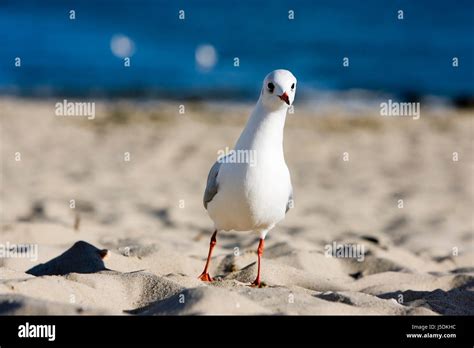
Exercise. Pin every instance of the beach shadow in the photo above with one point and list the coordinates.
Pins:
(82, 257)
(457, 301)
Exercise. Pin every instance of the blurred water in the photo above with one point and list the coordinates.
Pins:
(75, 57)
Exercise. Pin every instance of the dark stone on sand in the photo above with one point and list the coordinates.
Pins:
(82, 257)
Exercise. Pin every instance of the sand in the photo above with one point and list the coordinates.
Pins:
(137, 236)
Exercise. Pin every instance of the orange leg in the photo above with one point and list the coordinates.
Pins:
(259, 253)
(205, 274)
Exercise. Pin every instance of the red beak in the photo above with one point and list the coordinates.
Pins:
(285, 98)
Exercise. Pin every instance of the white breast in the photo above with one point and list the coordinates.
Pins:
(250, 198)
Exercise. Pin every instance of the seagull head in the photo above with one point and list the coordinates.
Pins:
(278, 89)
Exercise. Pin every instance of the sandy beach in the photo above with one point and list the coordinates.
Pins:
(109, 213)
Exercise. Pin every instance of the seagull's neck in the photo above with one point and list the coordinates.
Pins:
(264, 130)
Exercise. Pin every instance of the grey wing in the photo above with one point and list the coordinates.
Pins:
(212, 186)
(290, 202)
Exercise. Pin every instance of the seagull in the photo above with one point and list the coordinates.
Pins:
(244, 195)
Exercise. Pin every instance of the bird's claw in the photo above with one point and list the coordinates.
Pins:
(205, 277)
(257, 284)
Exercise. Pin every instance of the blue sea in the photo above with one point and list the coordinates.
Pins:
(194, 57)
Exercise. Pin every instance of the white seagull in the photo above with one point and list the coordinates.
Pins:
(254, 195)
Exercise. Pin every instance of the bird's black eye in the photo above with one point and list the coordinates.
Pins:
(293, 86)
(271, 87)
